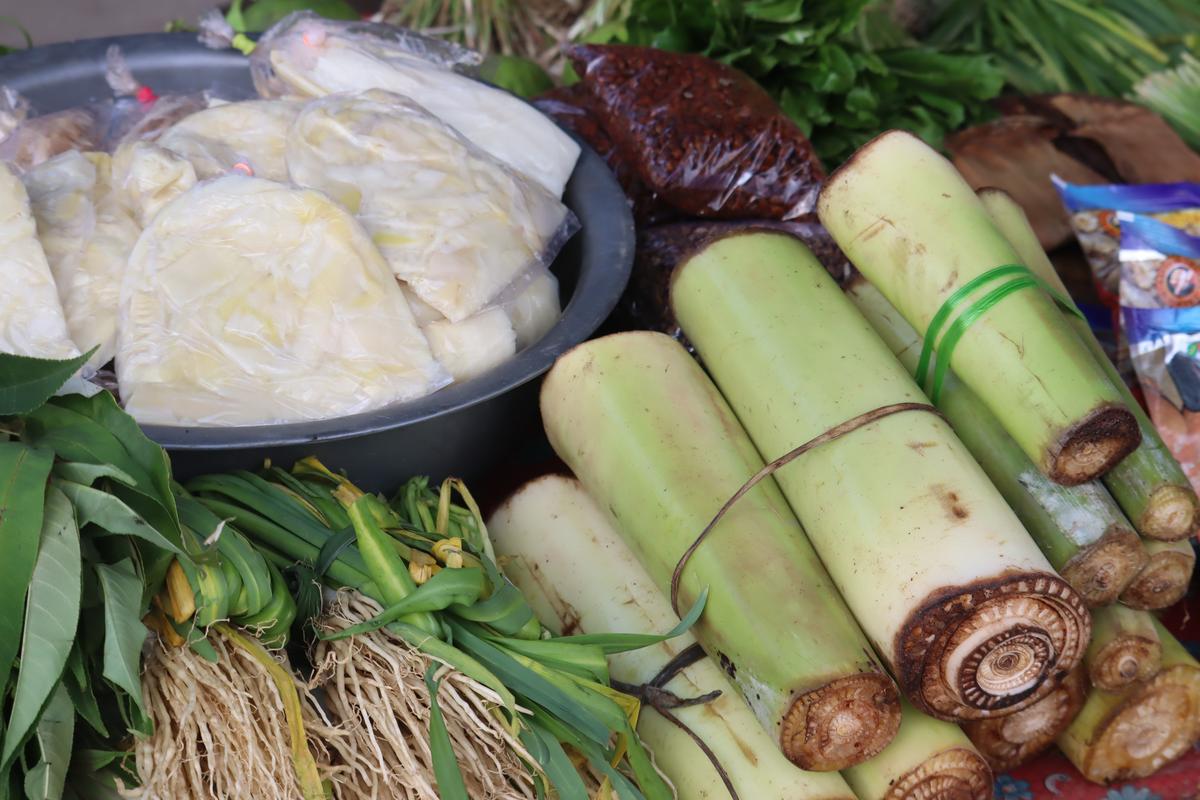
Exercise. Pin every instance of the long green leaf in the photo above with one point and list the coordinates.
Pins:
(541, 744)
(88, 474)
(26, 383)
(51, 617)
(446, 771)
(55, 731)
(585, 660)
(124, 632)
(454, 657)
(78, 685)
(612, 643)
(111, 515)
(23, 474)
(444, 589)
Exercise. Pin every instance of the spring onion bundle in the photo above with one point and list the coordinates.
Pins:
(1079, 528)
(651, 439)
(1007, 742)
(939, 571)
(913, 226)
(1149, 484)
(565, 555)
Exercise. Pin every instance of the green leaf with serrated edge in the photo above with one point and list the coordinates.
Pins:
(26, 383)
(23, 474)
(446, 772)
(108, 513)
(124, 632)
(51, 617)
(54, 734)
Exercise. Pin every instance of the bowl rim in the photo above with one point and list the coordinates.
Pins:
(596, 292)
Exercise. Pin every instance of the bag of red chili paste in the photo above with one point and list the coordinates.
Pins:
(701, 135)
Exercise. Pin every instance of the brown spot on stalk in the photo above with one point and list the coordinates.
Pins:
(1093, 446)
(921, 447)
(842, 723)
(728, 666)
(948, 499)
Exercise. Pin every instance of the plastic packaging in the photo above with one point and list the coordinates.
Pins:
(31, 315)
(701, 135)
(87, 235)
(38, 139)
(248, 301)
(456, 225)
(145, 177)
(248, 136)
(473, 346)
(304, 55)
(1093, 215)
(1163, 328)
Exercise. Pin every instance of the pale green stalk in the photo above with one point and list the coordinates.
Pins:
(912, 225)
(652, 440)
(1079, 528)
(936, 567)
(927, 759)
(563, 552)
(1149, 484)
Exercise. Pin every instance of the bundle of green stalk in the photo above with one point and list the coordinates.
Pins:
(567, 556)
(428, 564)
(909, 222)
(956, 597)
(652, 439)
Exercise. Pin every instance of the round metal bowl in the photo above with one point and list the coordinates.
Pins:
(463, 429)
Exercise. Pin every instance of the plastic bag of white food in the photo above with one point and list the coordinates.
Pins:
(247, 301)
(306, 56)
(456, 225)
(248, 136)
(146, 177)
(87, 234)
(31, 315)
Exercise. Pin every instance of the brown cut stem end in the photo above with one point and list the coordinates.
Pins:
(1093, 446)
(956, 774)
(1007, 742)
(1101, 571)
(1124, 661)
(842, 723)
(1162, 583)
(1170, 513)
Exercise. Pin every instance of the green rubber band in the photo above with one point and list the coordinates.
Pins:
(943, 313)
(1024, 278)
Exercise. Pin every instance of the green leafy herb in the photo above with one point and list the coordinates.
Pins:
(26, 383)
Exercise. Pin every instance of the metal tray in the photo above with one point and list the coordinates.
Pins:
(463, 430)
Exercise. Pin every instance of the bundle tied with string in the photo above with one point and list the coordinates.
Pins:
(941, 574)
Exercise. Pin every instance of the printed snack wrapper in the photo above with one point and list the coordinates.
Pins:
(457, 226)
(1160, 309)
(306, 56)
(249, 302)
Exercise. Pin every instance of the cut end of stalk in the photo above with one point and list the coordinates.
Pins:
(1163, 581)
(1007, 742)
(1093, 446)
(992, 648)
(1171, 514)
(1155, 726)
(1102, 571)
(842, 723)
(1124, 661)
(957, 774)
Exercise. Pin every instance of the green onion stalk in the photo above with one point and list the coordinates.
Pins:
(909, 222)
(939, 571)
(1079, 528)
(429, 563)
(1148, 484)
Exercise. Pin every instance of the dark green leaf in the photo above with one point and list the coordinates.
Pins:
(611, 643)
(107, 512)
(26, 383)
(444, 589)
(520, 76)
(88, 474)
(55, 730)
(124, 632)
(51, 616)
(548, 753)
(262, 14)
(23, 474)
(75, 679)
(450, 785)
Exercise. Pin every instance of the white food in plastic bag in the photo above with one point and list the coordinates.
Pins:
(146, 177)
(31, 315)
(248, 301)
(248, 136)
(87, 235)
(455, 225)
(535, 308)
(422, 312)
(473, 346)
(308, 56)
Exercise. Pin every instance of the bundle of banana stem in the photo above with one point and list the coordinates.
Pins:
(505, 711)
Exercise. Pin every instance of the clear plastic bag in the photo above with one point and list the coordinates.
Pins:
(702, 135)
(307, 56)
(251, 302)
(249, 136)
(457, 226)
(1162, 324)
(38, 139)
(145, 177)
(31, 316)
(87, 235)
